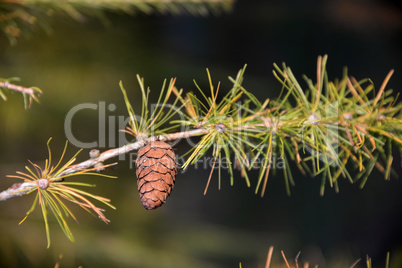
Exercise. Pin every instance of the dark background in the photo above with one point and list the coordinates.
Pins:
(83, 63)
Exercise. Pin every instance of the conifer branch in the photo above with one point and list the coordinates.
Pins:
(19, 17)
(19, 189)
(30, 94)
(321, 129)
(360, 127)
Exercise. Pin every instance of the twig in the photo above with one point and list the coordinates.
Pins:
(19, 189)
(32, 92)
(17, 88)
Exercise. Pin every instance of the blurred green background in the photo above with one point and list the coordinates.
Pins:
(83, 63)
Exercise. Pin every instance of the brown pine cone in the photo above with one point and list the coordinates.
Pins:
(156, 173)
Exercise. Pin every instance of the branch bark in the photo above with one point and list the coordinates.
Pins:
(19, 189)
(25, 90)
(30, 93)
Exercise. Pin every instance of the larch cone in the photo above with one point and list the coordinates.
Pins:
(156, 173)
